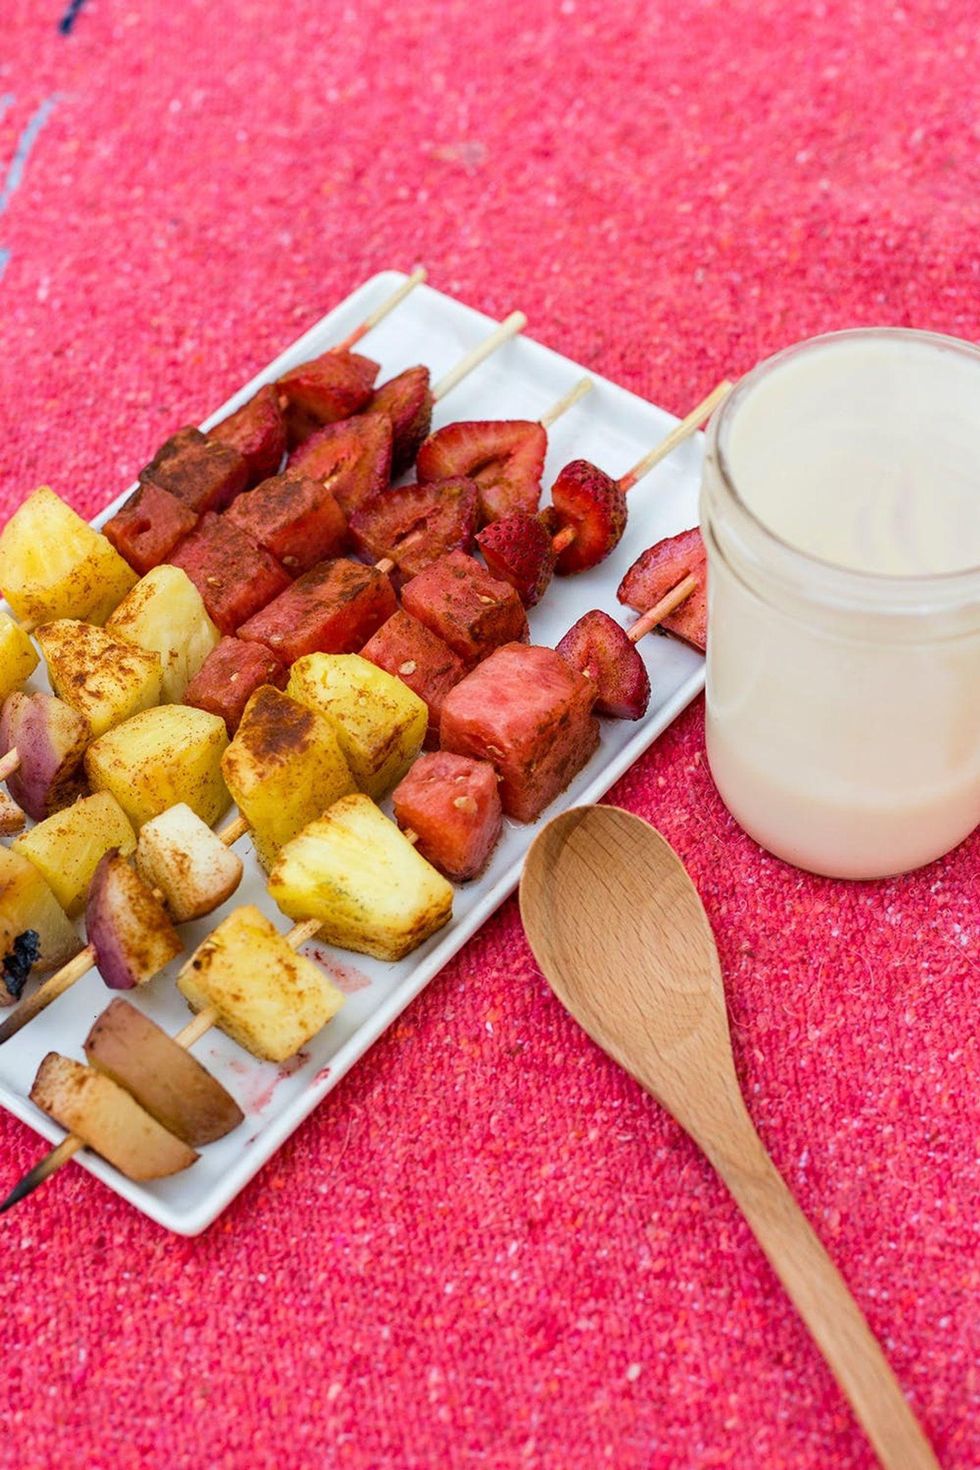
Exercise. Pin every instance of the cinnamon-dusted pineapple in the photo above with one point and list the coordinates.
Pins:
(284, 767)
(360, 876)
(67, 847)
(18, 656)
(27, 906)
(159, 757)
(53, 565)
(268, 998)
(164, 614)
(379, 722)
(101, 676)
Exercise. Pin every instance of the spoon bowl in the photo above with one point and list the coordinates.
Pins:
(620, 934)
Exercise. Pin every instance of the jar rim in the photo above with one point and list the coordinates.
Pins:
(905, 589)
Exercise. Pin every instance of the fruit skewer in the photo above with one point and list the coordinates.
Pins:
(521, 549)
(467, 506)
(62, 980)
(185, 1038)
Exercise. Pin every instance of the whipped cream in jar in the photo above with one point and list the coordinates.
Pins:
(840, 507)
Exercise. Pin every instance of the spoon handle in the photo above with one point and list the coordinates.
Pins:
(817, 1289)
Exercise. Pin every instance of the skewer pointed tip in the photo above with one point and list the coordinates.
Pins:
(41, 1171)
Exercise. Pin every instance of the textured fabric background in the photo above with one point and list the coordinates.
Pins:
(487, 1248)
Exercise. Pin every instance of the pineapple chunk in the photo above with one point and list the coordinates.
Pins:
(102, 677)
(26, 902)
(159, 757)
(18, 656)
(187, 862)
(104, 1116)
(284, 767)
(68, 847)
(268, 998)
(379, 722)
(164, 615)
(354, 871)
(53, 565)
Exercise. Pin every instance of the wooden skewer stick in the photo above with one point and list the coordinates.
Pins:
(677, 435)
(663, 609)
(9, 763)
(380, 312)
(667, 445)
(72, 972)
(192, 1032)
(509, 327)
(567, 401)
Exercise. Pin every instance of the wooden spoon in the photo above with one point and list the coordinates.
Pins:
(619, 931)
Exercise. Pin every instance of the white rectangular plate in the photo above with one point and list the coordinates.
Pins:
(611, 427)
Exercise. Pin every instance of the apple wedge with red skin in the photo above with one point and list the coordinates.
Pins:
(51, 740)
(258, 431)
(518, 550)
(661, 568)
(407, 402)
(129, 930)
(504, 457)
(413, 525)
(333, 386)
(351, 458)
(600, 649)
(590, 501)
(166, 1081)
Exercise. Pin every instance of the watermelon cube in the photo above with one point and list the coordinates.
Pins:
(201, 472)
(294, 518)
(258, 431)
(407, 648)
(148, 527)
(473, 612)
(529, 713)
(452, 805)
(230, 675)
(329, 387)
(233, 574)
(333, 608)
(352, 458)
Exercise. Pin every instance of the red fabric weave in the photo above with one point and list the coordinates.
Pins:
(487, 1248)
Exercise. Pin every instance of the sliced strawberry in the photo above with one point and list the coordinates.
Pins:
(258, 431)
(413, 525)
(330, 387)
(352, 458)
(658, 570)
(407, 402)
(518, 550)
(294, 518)
(586, 499)
(147, 528)
(505, 458)
(200, 472)
(599, 648)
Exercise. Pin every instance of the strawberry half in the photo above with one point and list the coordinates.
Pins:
(599, 648)
(258, 431)
(407, 402)
(330, 387)
(518, 550)
(659, 569)
(587, 499)
(505, 458)
(352, 458)
(416, 524)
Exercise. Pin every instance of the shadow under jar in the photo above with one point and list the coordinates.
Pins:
(840, 507)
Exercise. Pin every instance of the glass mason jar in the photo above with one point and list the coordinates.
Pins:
(843, 671)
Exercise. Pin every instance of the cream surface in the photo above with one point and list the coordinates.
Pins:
(866, 453)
